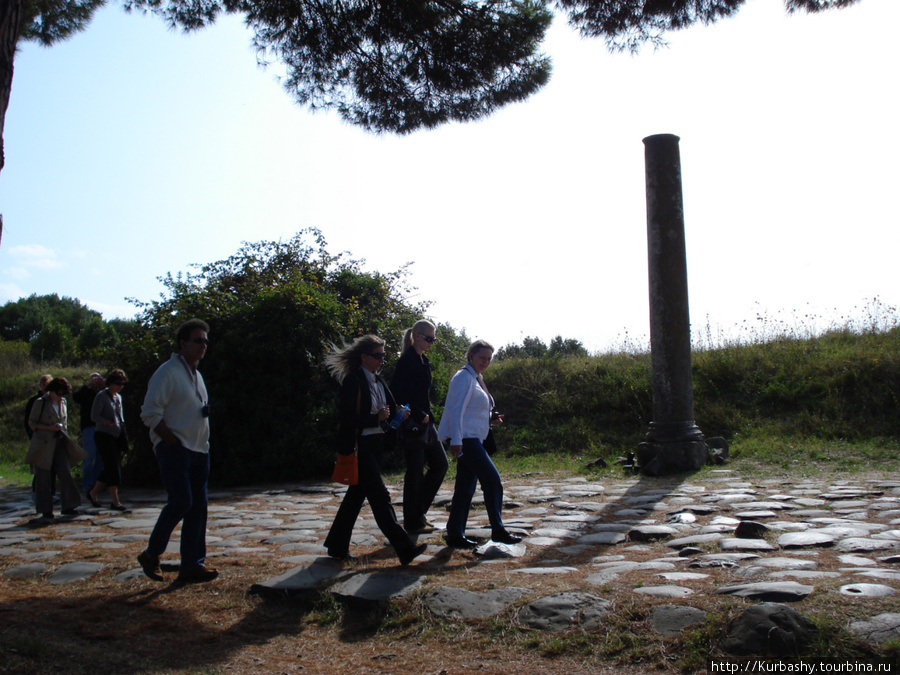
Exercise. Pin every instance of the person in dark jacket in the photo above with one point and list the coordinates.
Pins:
(411, 385)
(92, 464)
(364, 404)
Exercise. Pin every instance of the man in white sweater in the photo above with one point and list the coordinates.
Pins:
(176, 409)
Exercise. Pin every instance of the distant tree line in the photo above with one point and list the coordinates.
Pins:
(61, 329)
(535, 348)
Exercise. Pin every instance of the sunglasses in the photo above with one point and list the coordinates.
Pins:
(377, 355)
(430, 340)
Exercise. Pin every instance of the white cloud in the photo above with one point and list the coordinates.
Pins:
(18, 273)
(37, 256)
(9, 293)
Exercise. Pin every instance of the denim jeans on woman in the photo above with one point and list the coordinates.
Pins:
(185, 475)
(473, 466)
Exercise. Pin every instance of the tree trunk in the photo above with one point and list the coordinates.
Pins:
(10, 26)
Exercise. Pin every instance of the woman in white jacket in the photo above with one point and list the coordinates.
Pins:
(466, 423)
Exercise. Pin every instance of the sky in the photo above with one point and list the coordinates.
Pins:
(133, 151)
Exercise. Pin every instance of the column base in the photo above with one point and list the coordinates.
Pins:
(658, 459)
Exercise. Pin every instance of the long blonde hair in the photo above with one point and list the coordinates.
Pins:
(409, 335)
(341, 361)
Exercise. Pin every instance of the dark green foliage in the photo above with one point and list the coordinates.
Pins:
(626, 25)
(60, 329)
(49, 21)
(571, 405)
(274, 308)
(534, 347)
(840, 385)
(391, 66)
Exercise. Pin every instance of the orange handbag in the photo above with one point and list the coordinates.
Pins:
(346, 469)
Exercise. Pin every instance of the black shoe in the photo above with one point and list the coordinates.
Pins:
(504, 537)
(150, 565)
(346, 555)
(460, 542)
(69, 512)
(196, 575)
(407, 555)
(47, 516)
(93, 501)
(118, 507)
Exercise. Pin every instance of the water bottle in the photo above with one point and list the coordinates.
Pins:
(398, 418)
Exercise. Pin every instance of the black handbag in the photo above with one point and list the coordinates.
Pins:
(414, 433)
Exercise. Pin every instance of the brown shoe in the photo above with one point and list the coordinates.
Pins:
(197, 575)
(150, 565)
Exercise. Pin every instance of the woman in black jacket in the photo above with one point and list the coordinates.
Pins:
(365, 402)
(411, 384)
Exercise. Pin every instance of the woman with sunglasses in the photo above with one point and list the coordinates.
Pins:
(110, 437)
(364, 405)
(411, 384)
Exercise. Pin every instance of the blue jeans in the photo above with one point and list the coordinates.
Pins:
(185, 475)
(474, 465)
(92, 465)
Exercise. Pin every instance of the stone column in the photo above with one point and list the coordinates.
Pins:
(673, 442)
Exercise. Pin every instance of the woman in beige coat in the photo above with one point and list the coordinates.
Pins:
(52, 452)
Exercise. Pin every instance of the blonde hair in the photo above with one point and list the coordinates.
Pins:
(476, 347)
(341, 361)
(409, 335)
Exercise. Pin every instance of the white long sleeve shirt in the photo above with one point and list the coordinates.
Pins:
(176, 395)
(467, 411)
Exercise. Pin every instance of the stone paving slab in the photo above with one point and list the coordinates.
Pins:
(770, 540)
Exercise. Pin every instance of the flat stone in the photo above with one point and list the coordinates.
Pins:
(773, 591)
(755, 515)
(785, 563)
(862, 545)
(868, 590)
(694, 540)
(804, 539)
(460, 603)
(670, 620)
(565, 610)
(602, 538)
(666, 591)
(646, 533)
(682, 576)
(27, 571)
(804, 574)
(878, 629)
(301, 578)
(768, 629)
(377, 586)
(545, 570)
(75, 571)
(495, 550)
(729, 544)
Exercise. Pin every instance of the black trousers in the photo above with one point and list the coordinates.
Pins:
(371, 486)
(420, 486)
(110, 450)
